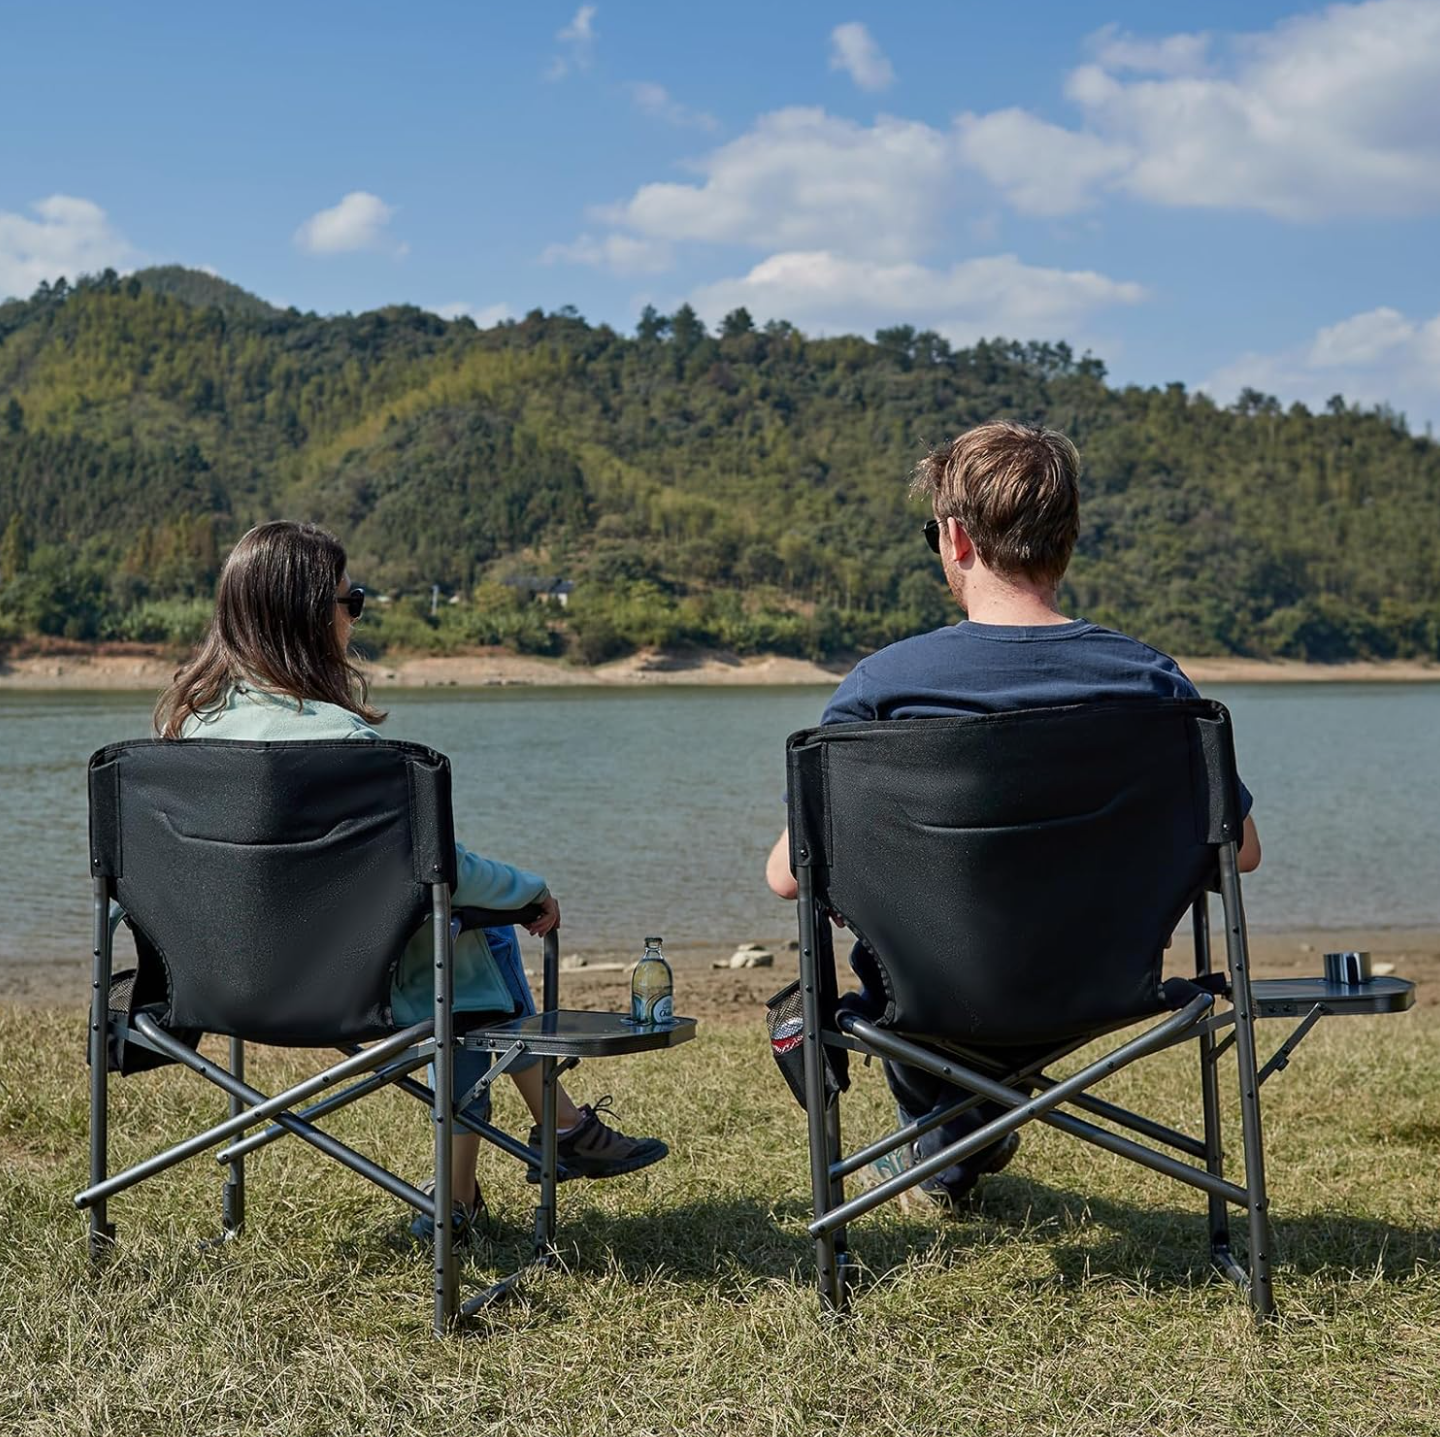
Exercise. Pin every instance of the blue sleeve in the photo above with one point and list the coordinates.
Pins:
(848, 703)
(488, 883)
(1184, 689)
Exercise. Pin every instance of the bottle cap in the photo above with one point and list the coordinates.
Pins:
(653, 942)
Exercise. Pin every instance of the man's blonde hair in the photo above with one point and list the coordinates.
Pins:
(1015, 489)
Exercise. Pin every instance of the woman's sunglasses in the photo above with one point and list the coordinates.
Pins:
(354, 601)
(932, 535)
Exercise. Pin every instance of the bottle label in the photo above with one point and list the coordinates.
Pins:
(646, 1010)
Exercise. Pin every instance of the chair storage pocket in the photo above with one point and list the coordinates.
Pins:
(785, 1019)
(125, 1000)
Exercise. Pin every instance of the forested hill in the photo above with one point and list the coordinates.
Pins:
(745, 488)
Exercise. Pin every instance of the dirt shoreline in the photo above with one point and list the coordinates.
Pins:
(738, 995)
(136, 668)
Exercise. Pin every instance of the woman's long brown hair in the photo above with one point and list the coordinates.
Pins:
(274, 628)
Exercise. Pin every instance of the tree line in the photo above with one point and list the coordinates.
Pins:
(744, 488)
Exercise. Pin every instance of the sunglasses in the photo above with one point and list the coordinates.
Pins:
(931, 528)
(354, 601)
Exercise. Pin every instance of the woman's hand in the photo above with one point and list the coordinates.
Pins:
(549, 917)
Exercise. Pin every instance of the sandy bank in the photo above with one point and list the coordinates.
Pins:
(140, 669)
(739, 995)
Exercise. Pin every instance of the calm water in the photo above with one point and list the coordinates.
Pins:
(653, 810)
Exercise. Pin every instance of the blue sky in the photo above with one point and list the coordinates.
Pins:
(1218, 193)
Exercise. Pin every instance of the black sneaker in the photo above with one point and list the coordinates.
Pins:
(465, 1218)
(593, 1150)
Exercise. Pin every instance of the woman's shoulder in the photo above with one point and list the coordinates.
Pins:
(258, 715)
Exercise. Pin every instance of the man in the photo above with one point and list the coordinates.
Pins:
(1005, 500)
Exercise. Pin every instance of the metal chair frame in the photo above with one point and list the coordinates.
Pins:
(1197, 1020)
(560, 1038)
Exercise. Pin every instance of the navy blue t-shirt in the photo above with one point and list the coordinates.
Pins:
(972, 668)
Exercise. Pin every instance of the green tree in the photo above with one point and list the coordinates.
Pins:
(737, 323)
(14, 550)
(686, 328)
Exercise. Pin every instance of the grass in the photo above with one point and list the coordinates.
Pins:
(1073, 1298)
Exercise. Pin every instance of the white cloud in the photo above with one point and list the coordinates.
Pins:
(853, 49)
(358, 222)
(620, 253)
(1336, 112)
(577, 40)
(70, 237)
(1115, 49)
(485, 316)
(1378, 357)
(1043, 169)
(823, 292)
(800, 178)
(656, 100)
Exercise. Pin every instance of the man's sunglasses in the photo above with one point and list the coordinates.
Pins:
(932, 534)
(354, 601)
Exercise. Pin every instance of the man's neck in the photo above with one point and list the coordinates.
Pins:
(1016, 605)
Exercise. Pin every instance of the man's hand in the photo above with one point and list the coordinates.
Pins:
(1247, 860)
(549, 917)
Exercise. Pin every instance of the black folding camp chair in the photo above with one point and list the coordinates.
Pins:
(1015, 878)
(271, 888)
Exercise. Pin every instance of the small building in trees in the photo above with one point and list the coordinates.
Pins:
(545, 591)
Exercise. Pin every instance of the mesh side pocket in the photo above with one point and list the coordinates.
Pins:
(129, 991)
(120, 1056)
(785, 1019)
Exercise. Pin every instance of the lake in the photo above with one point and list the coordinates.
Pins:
(651, 810)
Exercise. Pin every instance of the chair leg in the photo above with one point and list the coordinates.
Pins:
(833, 1294)
(443, 1111)
(550, 1070)
(820, 1121)
(549, 1161)
(232, 1202)
(102, 1231)
(1219, 1210)
(833, 1153)
(1262, 1295)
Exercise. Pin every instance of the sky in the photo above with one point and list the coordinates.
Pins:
(1218, 193)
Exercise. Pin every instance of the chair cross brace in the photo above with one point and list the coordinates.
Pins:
(261, 1108)
(381, 1077)
(920, 1126)
(1136, 1122)
(1023, 1110)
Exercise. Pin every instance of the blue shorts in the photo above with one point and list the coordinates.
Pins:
(471, 1066)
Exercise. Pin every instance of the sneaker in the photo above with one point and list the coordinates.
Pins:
(592, 1150)
(945, 1195)
(465, 1218)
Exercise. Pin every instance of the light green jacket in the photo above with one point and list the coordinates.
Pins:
(480, 882)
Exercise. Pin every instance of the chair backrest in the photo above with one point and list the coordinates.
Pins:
(277, 883)
(1016, 875)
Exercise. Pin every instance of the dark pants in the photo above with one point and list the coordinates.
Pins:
(918, 1093)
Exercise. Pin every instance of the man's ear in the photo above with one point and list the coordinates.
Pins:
(960, 544)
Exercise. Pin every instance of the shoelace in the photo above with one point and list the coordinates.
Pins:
(605, 1105)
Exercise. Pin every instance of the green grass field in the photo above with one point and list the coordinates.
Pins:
(1074, 1298)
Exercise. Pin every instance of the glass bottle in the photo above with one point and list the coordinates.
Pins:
(651, 987)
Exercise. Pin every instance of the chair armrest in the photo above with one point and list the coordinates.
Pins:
(496, 917)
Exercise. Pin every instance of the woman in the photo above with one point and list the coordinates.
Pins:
(276, 664)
